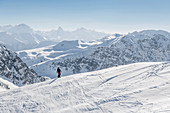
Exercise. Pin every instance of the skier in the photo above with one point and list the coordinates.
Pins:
(59, 72)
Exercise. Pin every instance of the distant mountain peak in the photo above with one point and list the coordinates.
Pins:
(21, 28)
(151, 32)
(60, 29)
(22, 25)
(82, 29)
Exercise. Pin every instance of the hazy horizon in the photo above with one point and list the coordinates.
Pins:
(110, 16)
(70, 30)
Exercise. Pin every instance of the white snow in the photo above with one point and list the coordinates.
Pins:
(134, 88)
(6, 82)
(50, 53)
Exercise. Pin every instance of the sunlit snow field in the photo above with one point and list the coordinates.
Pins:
(137, 88)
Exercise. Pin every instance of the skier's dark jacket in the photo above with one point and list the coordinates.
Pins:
(59, 72)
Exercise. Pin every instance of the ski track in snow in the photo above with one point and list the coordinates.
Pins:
(134, 88)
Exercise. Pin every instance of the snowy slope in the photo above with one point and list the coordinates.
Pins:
(133, 88)
(6, 84)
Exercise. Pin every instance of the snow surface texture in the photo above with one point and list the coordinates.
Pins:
(15, 70)
(79, 56)
(5, 84)
(133, 88)
(21, 37)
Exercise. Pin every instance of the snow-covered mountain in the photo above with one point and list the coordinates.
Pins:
(15, 70)
(79, 34)
(133, 88)
(152, 46)
(78, 56)
(22, 37)
(21, 28)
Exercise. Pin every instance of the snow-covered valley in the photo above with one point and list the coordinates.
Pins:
(134, 88)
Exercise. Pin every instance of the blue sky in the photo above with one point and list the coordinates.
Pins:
(121, 16)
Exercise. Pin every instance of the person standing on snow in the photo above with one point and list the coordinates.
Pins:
(59, 72)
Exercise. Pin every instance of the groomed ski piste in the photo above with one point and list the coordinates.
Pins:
(134, 88)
